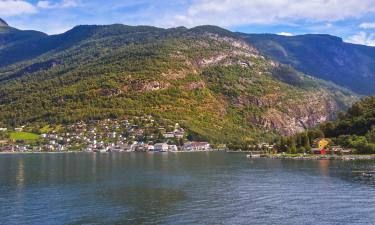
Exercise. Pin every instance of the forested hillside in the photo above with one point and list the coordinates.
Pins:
(208, 79)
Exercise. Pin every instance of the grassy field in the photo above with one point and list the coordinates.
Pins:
(24, 136)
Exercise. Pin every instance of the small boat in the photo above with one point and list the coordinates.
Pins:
(369, 175)
(253, 155)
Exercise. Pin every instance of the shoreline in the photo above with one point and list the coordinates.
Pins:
(264, 156)
(322, 157)
(10, 153)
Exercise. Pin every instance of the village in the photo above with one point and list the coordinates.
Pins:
(135, 134)
(131, 134)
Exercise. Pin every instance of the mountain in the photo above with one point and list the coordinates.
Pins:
(208, 79)
(3, 23)
(323, 56)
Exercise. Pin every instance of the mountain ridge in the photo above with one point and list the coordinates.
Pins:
(323, 56)
(206, 78)
(3, 23)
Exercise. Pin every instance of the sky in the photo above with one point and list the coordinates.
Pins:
(353, 20)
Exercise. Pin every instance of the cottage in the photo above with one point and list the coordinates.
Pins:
(150, 148)
(321, 143)
(172, 148)
(197, 146)
(318, 151)
(161, 147)
(169, 135)
(18, 129)
(179, 134)
(320, 146)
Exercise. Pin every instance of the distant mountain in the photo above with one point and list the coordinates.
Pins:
(3, 23)
(323, 56)
(208, 79)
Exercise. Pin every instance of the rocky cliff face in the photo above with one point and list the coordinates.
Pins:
(283, 102)
(295, 117)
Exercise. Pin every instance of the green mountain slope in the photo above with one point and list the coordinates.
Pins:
(206, 78)
(323, 56)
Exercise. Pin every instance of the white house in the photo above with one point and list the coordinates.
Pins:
(172, 148)
(197, 146)
(18, 129)
(169, 135)
(161, 147)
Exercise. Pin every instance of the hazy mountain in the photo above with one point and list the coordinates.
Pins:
(3, 23)
(323, 56)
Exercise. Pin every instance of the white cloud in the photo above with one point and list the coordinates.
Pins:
(285, 34)
(362, 38)
(60, 5)
(16, 7)
(244, 12)
(367, 25)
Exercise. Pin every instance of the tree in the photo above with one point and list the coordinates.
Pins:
(292, 145)
(305, 142)
(370, 136)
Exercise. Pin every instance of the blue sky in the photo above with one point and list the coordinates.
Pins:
(353, 20)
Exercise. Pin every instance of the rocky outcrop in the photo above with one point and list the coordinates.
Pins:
(194, 85)
(296, 116)
(136, 85)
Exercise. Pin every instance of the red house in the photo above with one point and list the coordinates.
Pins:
(319, 151)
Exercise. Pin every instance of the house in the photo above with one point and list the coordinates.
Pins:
(172, 148)
(197, 146)
(318, 151)
(161, 147)
(179, 134)
(2, 129)
(320, 146)
(169, 135)
(340, 150)
(150, 148)
(321, 143)
(18, 129)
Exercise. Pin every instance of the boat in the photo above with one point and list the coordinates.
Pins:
(369, 175)
(253, 155)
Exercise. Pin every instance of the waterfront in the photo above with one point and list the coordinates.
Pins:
(182, 188)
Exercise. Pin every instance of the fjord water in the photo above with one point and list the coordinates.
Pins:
(182, 188)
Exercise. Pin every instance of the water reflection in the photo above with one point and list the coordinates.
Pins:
(324, 167)
(20, 178)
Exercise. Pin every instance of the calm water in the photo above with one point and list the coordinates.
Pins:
(181, 188)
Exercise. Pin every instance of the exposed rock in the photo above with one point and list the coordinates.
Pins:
(195, 85)
(264, 101)
(296, 117)
(150, 86)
